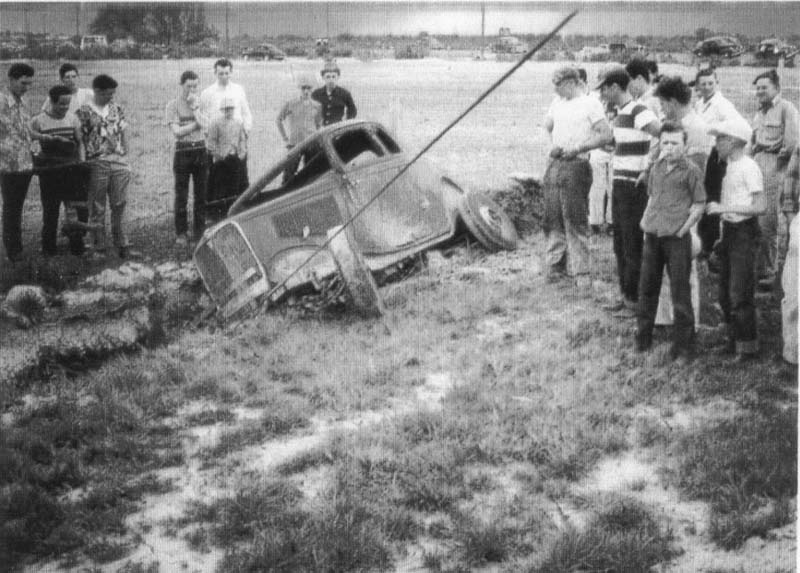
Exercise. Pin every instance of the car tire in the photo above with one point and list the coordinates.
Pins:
(356, 275)
(487, 222)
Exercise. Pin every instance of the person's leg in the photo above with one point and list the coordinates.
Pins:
(768, 222)
(99, 181)
(574, 205)
(552, 222)
(649, 288)
(709, 225)
(120, 178)
(634, 240)
(200, 183)
(789, 302)
(679, 266)
(742, 256)
(49, 189)
(619, 205)
(597, 194)
(181, 169)
(14, 188)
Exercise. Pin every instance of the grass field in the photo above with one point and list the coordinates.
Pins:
(492, 422)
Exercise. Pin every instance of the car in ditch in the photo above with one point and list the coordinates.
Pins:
(271, 243)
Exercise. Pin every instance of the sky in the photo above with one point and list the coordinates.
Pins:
(321, 18)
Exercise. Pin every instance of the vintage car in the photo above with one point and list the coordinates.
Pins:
(719, 46)
(263, 52)
(772, 49)
(269, 244)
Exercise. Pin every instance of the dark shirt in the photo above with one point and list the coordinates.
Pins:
(672, 189)
(333, 105)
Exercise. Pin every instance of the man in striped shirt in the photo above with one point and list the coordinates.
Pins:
(634, 127)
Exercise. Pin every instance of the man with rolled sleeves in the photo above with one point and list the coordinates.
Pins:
(775, 135)
(337, 103)
(577, 124)
(16, 160)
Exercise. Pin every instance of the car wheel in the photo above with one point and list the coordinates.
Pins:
(487, 222)
(355, 274)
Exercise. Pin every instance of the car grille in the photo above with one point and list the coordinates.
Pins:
(230, 270)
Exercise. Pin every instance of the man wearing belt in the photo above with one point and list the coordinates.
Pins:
(337, 103)
(190, 159)
(634, 128)
(577, 124)
(775, 133)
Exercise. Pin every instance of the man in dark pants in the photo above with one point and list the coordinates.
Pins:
(337, 103)
(190, 160)
(676, 202)
(634, 128)
(16, 161)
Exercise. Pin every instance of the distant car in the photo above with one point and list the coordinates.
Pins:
(284, 217)
(263, 52)
(775, 48)
(719, 46)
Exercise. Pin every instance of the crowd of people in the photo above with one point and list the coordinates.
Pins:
(670, 167)
(77, 146)
(681, 178)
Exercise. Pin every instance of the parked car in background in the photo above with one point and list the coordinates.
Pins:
(718, 46)
(772, 49)
(263, 52)
(282, 219)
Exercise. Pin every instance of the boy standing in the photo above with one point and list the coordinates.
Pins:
(227, 144)
(305, 117)
(742, 201)
(676, 202)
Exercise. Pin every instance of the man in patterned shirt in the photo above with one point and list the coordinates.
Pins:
(103, 126)
(16, 161)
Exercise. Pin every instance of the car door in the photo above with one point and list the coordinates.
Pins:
(407, 213)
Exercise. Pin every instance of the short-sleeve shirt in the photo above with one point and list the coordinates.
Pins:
(673, 189)
(336, 105)
(57, 152)
(101, 129)
(742, 180)
(573, 120)
(631, 141)
(712, 111)
(227, 137)
(304, 116)
(789, 201)
(775, 127)
(178, 112)
(15, 134)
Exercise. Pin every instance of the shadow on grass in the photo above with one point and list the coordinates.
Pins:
(746, 468)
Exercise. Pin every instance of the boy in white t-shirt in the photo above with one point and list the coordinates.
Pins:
(742, 200)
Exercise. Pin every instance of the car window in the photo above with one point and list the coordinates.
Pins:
(356, 148)
(388, 142)
(309, 167)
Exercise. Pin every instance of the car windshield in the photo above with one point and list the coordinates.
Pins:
(311, 164)
(356, 147)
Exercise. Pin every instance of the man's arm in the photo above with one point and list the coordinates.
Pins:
(653, 128)
(695, 213)
(279, 122)
(790, 131)
(601, 135)
(351, 106)
(247, 115)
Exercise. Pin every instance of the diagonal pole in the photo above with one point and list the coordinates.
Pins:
(424, 150)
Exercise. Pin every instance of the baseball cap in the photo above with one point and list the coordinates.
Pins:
(736, 127)
(616, 75)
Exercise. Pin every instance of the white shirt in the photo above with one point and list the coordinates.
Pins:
(573, 120)
(82, 96)
(713, 111)
(212, 96)
(742, 179)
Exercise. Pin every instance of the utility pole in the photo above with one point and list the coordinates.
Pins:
(78, 19)
(483, 26)
(227, 28)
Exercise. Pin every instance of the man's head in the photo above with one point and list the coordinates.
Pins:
(674, 96)
(189, 82)
(567, 82)
(652, 67)
(614, 85)
(706, 83)
(69, 76)
(306, 83)
(639, 72)
(672, 140)
(60, 97)
(732, 135)
(223, 68)
(330, 73)
(104, 87)
(768, 85)
(20, 78)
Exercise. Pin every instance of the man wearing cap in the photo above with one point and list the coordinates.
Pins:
(577, 124)
(713, 108)
(227, 146)
(742, 202)
(305, 117)
(775, 135)
(336, 102)
(634, 128)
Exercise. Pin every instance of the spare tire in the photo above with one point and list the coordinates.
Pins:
(356, 275)
(487, 222)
